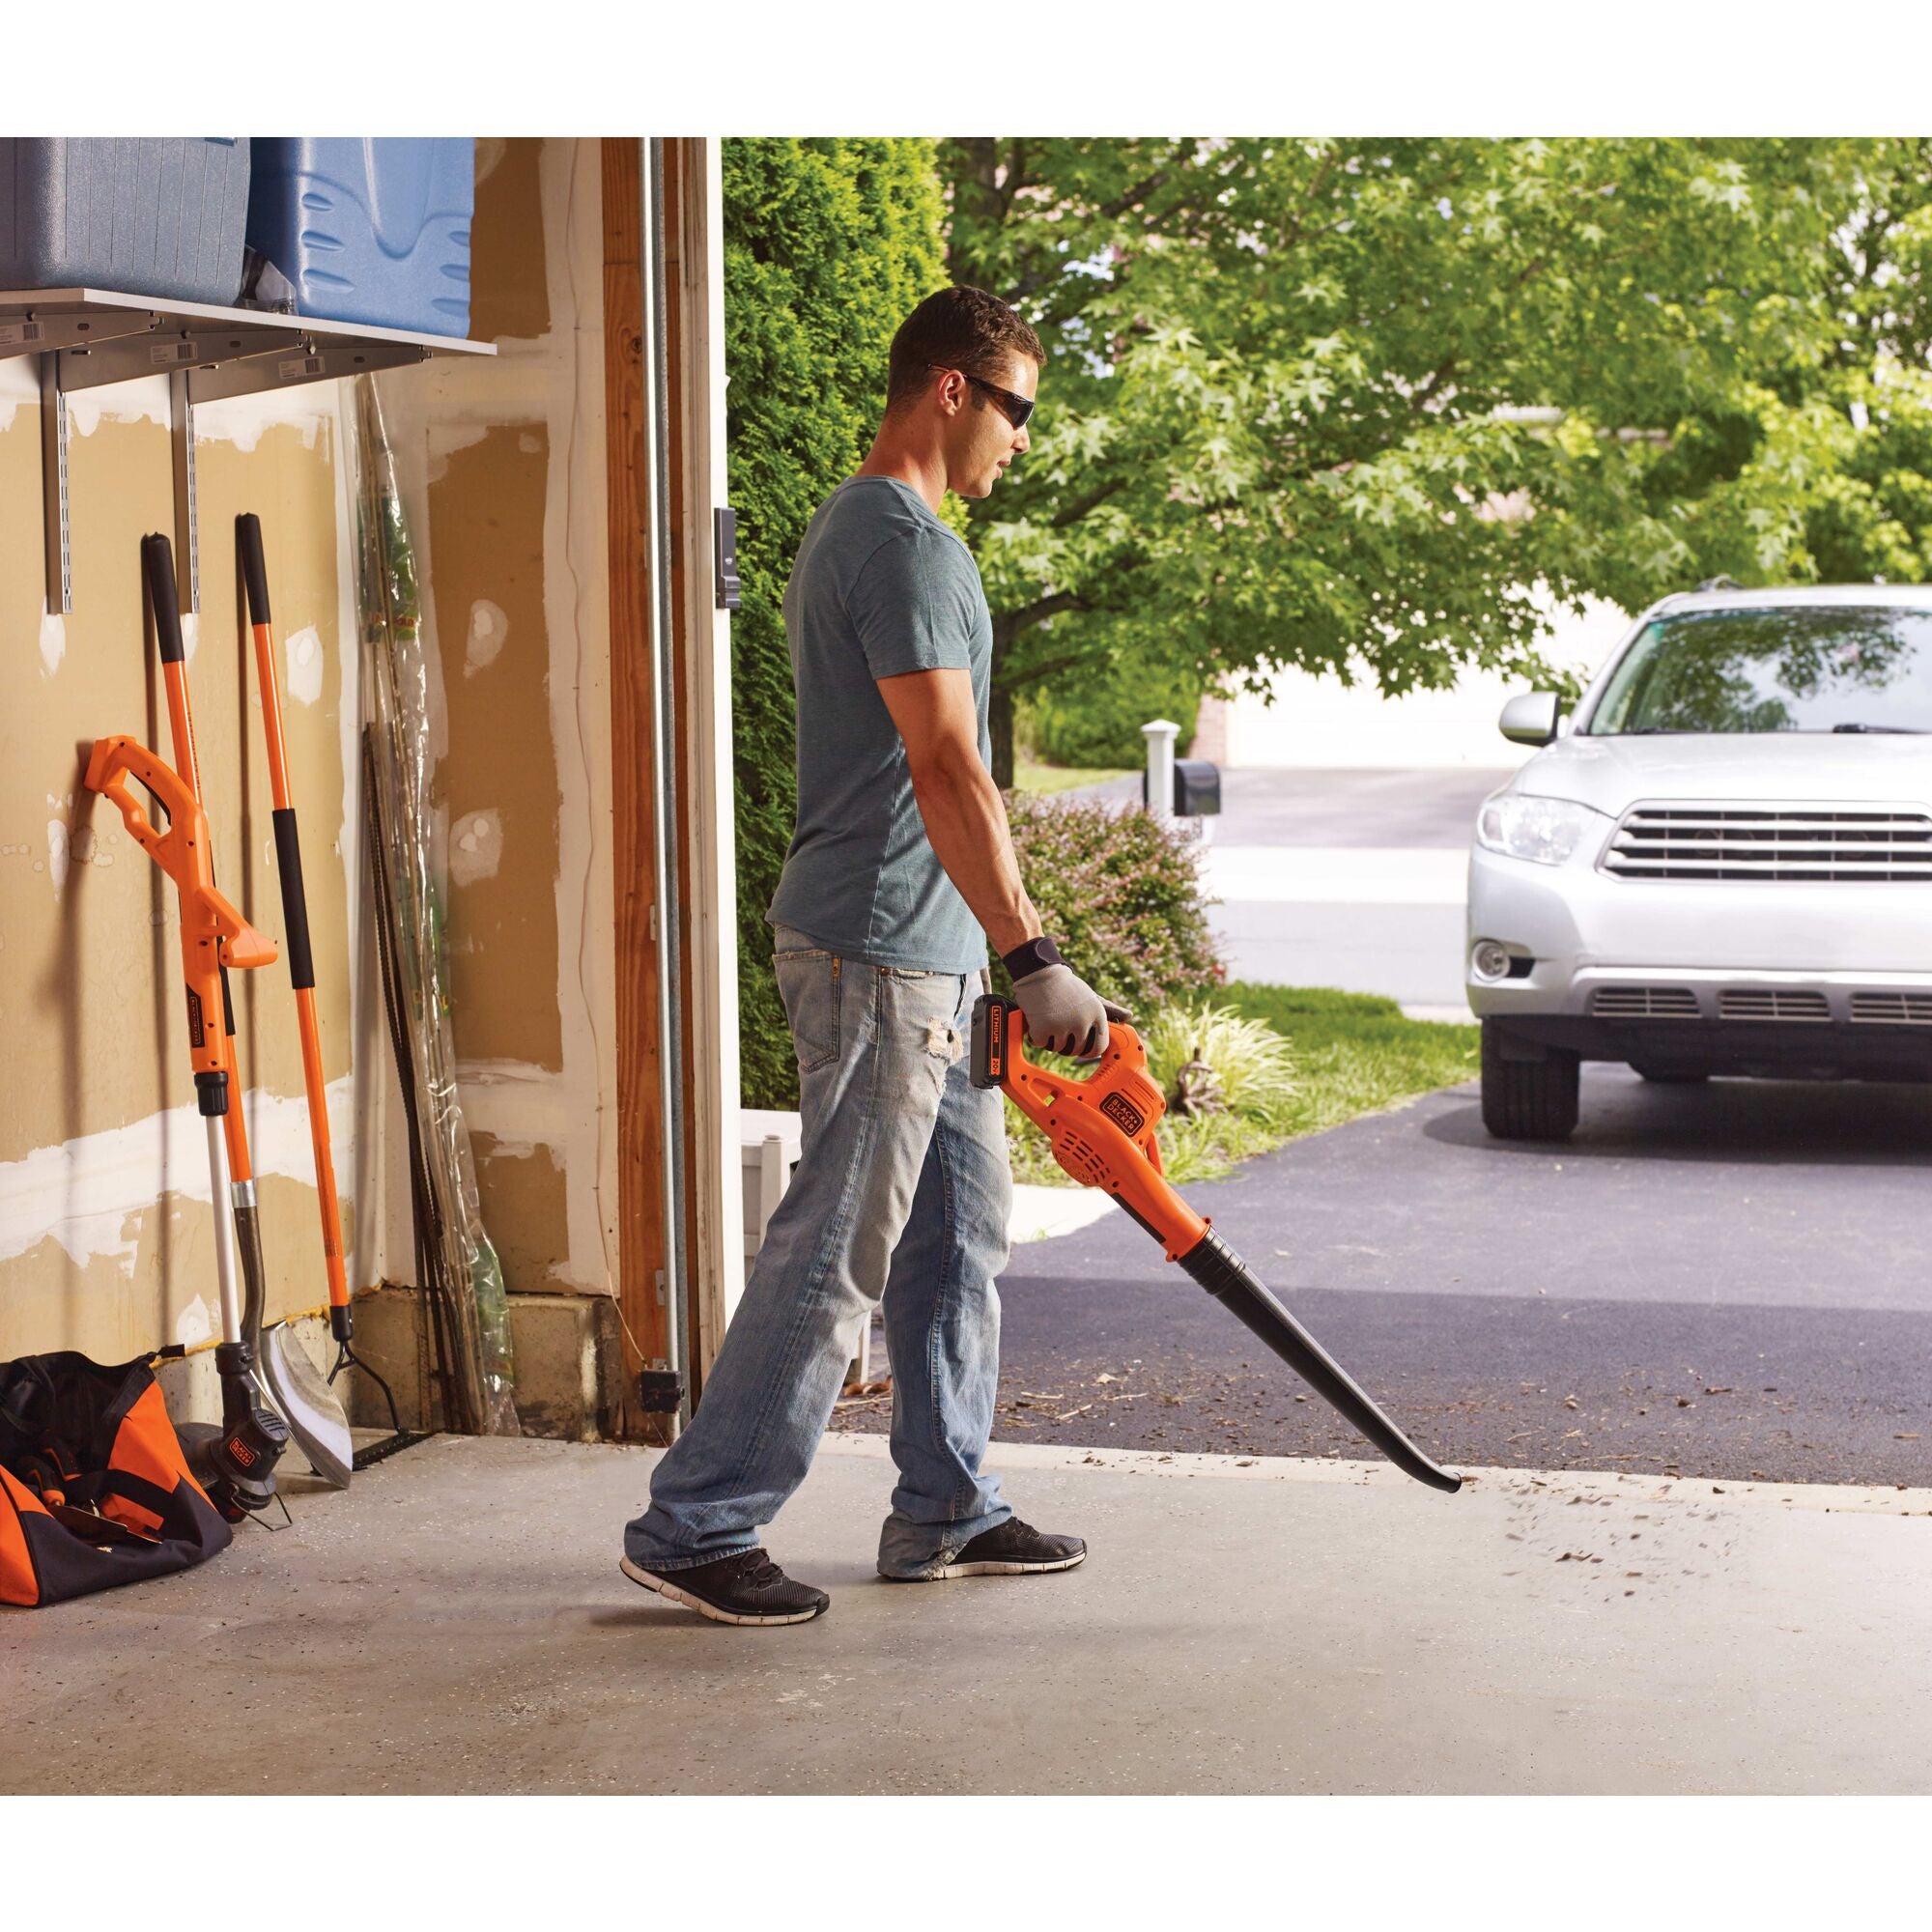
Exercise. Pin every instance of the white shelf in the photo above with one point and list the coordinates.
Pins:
(88, 337)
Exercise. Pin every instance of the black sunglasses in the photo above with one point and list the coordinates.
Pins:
(1017, 409)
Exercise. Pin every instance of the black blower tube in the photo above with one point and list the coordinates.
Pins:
(1223, 1273)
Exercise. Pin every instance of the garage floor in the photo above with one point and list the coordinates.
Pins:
(456, 1622)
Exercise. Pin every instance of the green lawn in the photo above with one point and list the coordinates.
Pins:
(1059, 778)
(1355, 1053)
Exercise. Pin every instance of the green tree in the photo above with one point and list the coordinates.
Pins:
(1346, 404)
(1870, 515)
(828, 245)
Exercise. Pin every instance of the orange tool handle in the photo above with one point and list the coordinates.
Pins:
(158, 574)
(295, 903)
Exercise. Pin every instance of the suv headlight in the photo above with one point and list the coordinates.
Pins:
(1544, 830)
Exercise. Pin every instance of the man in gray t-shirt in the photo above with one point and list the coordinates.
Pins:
(881, 589)
(900, 872)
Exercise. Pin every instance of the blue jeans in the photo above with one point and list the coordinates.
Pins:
(902, 1188)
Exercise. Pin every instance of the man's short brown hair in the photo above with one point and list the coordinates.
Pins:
(958, 328)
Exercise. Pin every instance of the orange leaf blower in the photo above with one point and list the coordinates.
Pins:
(1101, 1129)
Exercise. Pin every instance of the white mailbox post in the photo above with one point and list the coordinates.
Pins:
(1160, 736)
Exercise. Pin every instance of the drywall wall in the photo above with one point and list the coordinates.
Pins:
(501, 465)
(105, 1223)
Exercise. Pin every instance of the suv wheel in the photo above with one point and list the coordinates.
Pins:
(1528, 1099)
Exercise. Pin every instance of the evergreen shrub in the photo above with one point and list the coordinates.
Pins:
(829, 245)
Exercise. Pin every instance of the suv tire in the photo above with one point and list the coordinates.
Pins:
(1528, 1099)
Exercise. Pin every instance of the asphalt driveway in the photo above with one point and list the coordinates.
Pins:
(1726, 1281)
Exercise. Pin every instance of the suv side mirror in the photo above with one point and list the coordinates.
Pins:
(1530, 717)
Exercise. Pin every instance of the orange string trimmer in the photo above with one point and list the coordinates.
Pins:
(158, 566)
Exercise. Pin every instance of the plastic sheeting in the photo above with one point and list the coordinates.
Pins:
(461, 1275)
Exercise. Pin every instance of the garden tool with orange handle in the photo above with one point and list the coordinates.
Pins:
(235, 1463)
(295, 916)
(290, 1379)
(1102, 1130)
(302, 972)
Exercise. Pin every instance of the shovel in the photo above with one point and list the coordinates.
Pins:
(308, 1405)
(300, 1392)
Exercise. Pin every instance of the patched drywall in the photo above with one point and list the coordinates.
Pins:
(497, 781)
(509, 269)
(521, 1188)
(501, 465)
(105, 1230)
(106, 1225)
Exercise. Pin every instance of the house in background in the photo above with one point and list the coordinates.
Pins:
(1309, 720)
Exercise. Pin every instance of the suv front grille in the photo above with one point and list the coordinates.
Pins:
(1643, 1003)
(1892, 1008)
(1773, 842)
(1772, 1003)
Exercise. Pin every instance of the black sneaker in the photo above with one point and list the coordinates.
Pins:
(744, 1588)
(1014, 1548)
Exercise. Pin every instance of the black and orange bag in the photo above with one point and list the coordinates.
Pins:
(93, 1488)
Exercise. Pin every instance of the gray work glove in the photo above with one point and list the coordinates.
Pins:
(1064, 1013)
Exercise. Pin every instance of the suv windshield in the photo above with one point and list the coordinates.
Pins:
(1810, 667)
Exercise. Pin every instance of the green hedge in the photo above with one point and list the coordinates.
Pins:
(1120, 894)
(828, 245)
(1099, 726)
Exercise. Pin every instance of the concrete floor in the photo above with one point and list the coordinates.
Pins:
(456, 1622)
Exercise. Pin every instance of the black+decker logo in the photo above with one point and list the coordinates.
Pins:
(1123, 1114)
(197, 1034)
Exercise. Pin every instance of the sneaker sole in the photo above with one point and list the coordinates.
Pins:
(664, 1588)
(950, 1570)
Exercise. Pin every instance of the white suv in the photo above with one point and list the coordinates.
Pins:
(1723, 865)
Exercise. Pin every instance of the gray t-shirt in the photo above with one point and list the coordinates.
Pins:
(880, 588)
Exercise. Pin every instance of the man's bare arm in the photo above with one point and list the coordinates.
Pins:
(964, 815)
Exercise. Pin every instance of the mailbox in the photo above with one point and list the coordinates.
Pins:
(1197, 788)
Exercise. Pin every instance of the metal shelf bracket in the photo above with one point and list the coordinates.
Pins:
(86, 338)
(54, 337)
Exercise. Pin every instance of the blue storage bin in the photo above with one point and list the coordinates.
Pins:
(156, 219)
(371, 231)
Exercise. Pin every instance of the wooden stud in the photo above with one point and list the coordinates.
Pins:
(640, 1194)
